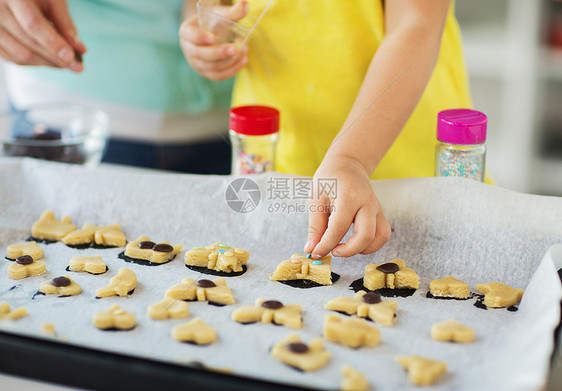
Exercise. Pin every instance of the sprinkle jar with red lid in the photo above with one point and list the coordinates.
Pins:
(253, 133)
(461, 148)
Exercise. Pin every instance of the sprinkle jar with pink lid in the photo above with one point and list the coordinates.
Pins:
(461, 144)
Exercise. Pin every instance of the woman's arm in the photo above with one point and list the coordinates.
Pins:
(392, 87)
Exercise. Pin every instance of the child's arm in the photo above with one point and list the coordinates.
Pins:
(215, 62)
(392, 87)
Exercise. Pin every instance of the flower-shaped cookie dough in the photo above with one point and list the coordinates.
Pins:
(26, 266)
(216, 291)
(422, 371)
(366, 305)
(353, 380)
(392, 275)
(195, 331)
(28, 248)
(293, 352)
(168, 308)
(449, 287)
(498, 295)
(114, 317)
(110, 236)
(270, 311)
(7, 313)
(219, 257)
(452, 331)
(92, 264)
(120, 285)
(300, 267)
(62, 286)
(143, 248)
(351, 332)
(48, 228)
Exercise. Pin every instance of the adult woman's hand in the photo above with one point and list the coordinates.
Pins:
(39, 32)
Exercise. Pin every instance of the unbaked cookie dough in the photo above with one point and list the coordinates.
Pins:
(391, 275)
(120, 285)
(48, 329)
(146, 250)
(114, 317)
(350, 332)
(28, 248)
(219, 257)
(7, 313)
(449, 287)
(48, 228)
(168, 308)
(270, 311)
(216, 291)
(422, 371)
(300, 267)
(353, 380)
(26, 266)
(62, 286)
(293, 352)
(106, 236)
(92, 264)
(195, 331)
(498, 295)
(452, 331)
(366, 305)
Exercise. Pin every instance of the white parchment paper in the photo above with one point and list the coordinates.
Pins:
(442, 226)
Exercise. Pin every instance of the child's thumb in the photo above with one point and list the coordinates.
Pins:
(238, 11)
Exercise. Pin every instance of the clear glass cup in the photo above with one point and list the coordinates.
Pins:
(67, 133)
(213, 18)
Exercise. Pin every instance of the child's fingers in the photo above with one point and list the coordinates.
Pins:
(190, 32)
(238, 11)
(381, 236)
(338, 224)
(365, 227)
(229, 72)
(318, 215)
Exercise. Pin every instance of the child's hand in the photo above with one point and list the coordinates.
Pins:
(355, 202)
(211, 60)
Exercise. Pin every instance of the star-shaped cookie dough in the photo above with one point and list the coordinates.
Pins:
(62, 286)
(270, 311)
(143, 248)
(293, 352)
(392, 275)
(218, 256)
(422, 371)
(195, 331)
(366, 305)
(452, 331)
(28, 248)
(449, 287)
(498, 295)
(92, 264)
(114, 317)
(168, 308)
(26, 266)
(120, 285)
(48, 228)
(351, 332)
(215, 291)
(300, 267)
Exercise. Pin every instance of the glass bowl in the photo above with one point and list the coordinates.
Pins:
(67, 133)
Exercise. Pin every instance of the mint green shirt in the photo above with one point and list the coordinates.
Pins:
(134, 58)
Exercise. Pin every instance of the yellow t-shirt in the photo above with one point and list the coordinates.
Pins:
(308, 58)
